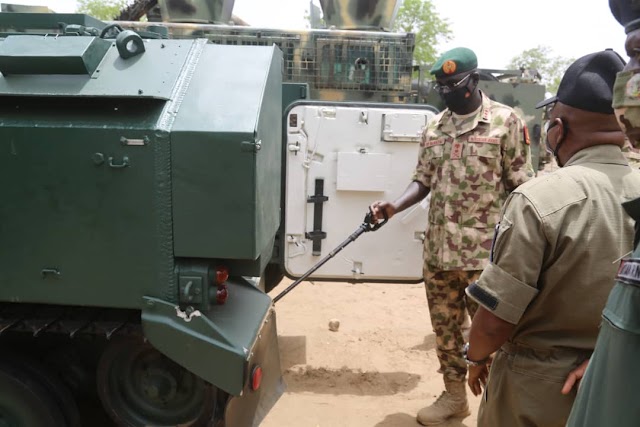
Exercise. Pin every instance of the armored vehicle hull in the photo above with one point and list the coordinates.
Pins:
(121, 158)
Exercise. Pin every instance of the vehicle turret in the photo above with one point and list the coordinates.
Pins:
(360, 14)
(200, 11)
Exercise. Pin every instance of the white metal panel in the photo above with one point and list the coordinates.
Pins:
(362, 171)
(345, 146)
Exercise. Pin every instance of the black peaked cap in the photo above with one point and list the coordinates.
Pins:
(627, 13)
(588, 82)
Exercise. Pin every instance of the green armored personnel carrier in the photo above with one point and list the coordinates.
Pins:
(157, 181)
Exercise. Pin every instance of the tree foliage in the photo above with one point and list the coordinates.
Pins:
(102, 9)
(421, 18)
(541, 58)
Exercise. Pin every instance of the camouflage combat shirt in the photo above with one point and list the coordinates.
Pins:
(470, 167)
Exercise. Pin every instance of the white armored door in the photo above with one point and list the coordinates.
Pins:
(340, 158)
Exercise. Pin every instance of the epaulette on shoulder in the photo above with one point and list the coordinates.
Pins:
(499, 109)
(497, 105)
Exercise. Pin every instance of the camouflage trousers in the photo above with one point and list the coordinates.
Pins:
(447, 303)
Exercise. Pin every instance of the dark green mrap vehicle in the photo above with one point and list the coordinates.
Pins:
(134, 203)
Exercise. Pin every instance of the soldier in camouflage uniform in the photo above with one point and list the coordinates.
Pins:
(472, 155)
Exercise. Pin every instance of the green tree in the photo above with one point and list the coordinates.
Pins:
(550, 66)
(421, 18)
(102, 9)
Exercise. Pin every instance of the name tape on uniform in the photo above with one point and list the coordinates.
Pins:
(484, 139)
(434, 142)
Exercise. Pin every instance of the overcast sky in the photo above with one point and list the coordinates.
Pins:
(497, 30)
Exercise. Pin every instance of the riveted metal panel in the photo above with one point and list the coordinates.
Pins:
(226, 155)
(136, 77)
(83, 196)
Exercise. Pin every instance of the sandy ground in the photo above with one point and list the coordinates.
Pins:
(378, 369)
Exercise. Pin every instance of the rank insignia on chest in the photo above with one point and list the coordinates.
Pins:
(456, 151)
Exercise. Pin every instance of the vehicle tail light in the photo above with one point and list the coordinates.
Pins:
(222, 294)
(222, 274)
(256, 377)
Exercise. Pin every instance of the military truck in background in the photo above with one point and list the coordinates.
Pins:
(159, 177)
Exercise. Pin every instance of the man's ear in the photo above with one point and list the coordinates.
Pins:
(475, 76)
(562, 129)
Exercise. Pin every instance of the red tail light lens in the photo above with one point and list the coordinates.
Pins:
(222, 275)
(222, 294)
(256, 378)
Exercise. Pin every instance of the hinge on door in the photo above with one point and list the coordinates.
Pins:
(251, 146)
(317, 234)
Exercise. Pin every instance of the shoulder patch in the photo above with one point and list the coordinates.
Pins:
(482, 296)
(629, 271)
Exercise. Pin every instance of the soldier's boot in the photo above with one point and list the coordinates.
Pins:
(451, 403)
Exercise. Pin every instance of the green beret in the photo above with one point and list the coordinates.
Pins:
(455, 61)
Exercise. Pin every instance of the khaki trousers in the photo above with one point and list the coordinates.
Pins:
(524, 387)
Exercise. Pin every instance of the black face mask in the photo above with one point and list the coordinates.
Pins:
(457, 99)
(548, 144)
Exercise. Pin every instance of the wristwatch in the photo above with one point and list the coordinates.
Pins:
(465, 350)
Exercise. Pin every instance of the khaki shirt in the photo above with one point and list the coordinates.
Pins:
(470, 168)
(557, 249)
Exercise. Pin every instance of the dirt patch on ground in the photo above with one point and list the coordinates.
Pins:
(348, 381)
(377, 370)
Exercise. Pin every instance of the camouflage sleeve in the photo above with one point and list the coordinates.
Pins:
(508, 284)
(516, 161)
(422, 172)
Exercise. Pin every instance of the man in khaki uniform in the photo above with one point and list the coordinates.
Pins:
(471, 156)
(554, 256)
